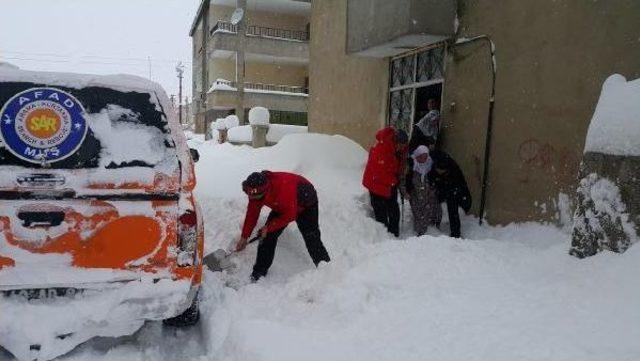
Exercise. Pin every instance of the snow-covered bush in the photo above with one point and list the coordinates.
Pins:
(259, 116)
(608, 201)
(601, 220)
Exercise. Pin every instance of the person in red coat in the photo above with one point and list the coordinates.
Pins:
(382, 176)
(291, 198)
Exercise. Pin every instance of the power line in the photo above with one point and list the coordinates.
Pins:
(67, 56)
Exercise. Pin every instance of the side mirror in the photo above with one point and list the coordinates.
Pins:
(195, 155)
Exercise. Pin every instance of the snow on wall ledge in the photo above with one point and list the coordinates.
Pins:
(615, 126)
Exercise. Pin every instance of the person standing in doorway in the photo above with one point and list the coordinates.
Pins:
(382, 176)
(427, 130)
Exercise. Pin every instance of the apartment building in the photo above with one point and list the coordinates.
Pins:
(257, 57)
(517, 81)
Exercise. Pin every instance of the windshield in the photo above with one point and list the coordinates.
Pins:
(111, 129)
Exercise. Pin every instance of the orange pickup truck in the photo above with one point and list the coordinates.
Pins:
(99, 228)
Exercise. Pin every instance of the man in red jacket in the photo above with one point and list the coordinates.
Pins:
(291, 198)
(382, 176)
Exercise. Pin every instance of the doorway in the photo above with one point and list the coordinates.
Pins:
(423, 94)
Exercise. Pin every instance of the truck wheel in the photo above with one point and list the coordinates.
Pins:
(188, 318)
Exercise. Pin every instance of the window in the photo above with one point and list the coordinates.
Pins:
(408, 76)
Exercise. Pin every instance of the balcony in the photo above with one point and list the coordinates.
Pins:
(383, 28)
(223, 95)
(289, 46)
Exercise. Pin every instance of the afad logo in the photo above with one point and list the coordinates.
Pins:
(43, 125)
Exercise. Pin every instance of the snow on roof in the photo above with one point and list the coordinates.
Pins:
(615, 126)
(121, 82)
(5, 65)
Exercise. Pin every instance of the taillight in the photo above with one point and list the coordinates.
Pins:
(187, 239)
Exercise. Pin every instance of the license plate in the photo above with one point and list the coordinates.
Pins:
(43, 293)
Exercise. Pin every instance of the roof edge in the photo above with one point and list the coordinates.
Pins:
(197, 17)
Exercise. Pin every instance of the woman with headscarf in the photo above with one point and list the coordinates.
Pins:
(422, 194)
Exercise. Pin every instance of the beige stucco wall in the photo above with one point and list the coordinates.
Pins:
(256, 72)
(552, 57)
(348, 94)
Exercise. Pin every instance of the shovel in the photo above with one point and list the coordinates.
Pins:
(220, 259)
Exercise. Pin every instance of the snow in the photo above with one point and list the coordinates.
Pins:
(116, 137)
(121, 82)
(243, 133)
(615, 125)
(220, 125)
(225, 85)
(502, 293)
(231, 121)
(6, 65)
(259, 116)
(221, 84)
(278, 131)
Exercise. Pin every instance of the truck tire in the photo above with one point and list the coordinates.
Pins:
(189, 317)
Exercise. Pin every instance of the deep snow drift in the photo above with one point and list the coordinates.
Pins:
(504, 293)
(507, 293)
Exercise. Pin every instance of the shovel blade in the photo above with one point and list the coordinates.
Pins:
(218, 260)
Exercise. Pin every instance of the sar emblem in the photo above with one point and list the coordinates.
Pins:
(43, 125)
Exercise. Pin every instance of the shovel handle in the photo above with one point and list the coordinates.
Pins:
(254, 239)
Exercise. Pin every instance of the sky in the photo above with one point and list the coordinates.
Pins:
(142, 37)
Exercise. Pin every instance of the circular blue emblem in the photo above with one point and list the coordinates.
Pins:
(43, 125)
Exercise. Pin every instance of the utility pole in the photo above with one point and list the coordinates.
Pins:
(149, 61)
(240, 65)
(180, 71)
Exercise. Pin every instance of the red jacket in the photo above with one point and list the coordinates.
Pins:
(383, 166)
(281, 196)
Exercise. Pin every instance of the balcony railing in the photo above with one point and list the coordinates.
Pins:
(222, 84)
(262, 31)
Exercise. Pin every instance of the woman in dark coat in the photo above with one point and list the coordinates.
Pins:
(451, 187)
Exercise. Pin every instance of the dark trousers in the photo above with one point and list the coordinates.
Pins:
(308, 224)
(454, 218)
(387, 211)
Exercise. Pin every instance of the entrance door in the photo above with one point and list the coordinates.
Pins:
(423, 94)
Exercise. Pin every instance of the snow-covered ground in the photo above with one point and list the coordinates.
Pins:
(503, 293)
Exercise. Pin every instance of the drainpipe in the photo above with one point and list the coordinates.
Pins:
(487, 146)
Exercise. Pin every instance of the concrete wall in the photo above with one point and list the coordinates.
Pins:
(283, 50)
(376, 22)
(226, 100)
(552, 57)
(348, 95)
(259, 72)
(260, 18)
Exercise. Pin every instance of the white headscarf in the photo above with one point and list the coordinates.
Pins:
(421, 168)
